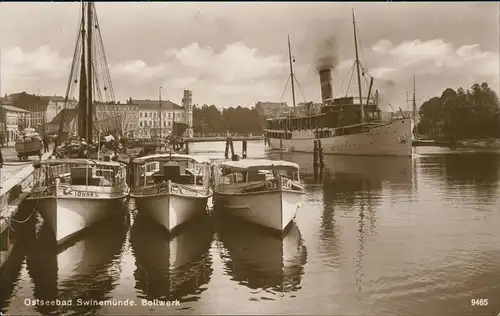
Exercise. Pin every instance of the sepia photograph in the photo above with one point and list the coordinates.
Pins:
(249, 158)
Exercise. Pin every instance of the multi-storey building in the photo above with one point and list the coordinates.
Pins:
(156, 118)
(42, 109)
(12, 121)
(126, 115)
(109, 117)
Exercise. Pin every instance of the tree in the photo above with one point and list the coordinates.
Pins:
(240, 120)
(465, 114)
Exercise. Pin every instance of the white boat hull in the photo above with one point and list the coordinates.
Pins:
(273, 209)
(171, 209)
(393, 139)
(69, 215)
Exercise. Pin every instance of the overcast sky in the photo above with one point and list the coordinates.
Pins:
(236, 53)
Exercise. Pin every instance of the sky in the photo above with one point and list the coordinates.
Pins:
(235, 53)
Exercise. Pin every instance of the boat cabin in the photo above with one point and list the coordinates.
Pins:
(337, 114)
(254, 171)
(178, 168)
(81, 172)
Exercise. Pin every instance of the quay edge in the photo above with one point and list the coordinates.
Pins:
(11, 198)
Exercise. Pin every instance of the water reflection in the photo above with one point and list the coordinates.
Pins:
(259, 259)
(171, 267)
(10, 274)
(373, 169)
(475, 172)
(84, 271)
(21, 237)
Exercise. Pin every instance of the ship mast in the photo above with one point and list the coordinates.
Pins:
(358, 70)
(90, 6)
(82, 105)
(159, 110)
(291, 71)
(414, 109)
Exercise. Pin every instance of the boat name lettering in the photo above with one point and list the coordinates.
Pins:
(86, 193)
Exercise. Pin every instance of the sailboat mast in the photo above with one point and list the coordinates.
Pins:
(358, 70)
(159, 110)
(292, 77)
(414, 107)
(82, 106)
(90, 76)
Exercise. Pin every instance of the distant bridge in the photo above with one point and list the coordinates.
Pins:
(221, 139)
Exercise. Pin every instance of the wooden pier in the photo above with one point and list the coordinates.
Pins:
(17, 179)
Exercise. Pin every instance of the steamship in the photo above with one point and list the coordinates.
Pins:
(344, 126)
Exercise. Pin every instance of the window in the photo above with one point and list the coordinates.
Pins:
(140, 114)
(169, 115)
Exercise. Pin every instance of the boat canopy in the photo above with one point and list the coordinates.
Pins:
(258, 164)
(76, 161)
(167, 157)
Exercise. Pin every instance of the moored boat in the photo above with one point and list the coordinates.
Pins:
(171, 188)
(74, 194)
(344, 126)
(261, 191)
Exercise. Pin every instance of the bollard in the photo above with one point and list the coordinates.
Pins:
(244, 149)
(187, 148)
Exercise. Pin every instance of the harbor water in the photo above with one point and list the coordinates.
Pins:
(375, 236)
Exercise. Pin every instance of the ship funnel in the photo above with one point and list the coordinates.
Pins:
(325, 79)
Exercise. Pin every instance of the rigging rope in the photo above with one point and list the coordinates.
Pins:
(284, 90)
(300, 88)
(350, 79)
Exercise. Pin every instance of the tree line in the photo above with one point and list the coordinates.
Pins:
(239, 120)
(461, 114)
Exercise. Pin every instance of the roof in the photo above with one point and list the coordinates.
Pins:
(257, 164)
(12, 108)
(24, 100)
(68, 114)
(54, 98)
(154, 104)
(77, 161)
(166, 157)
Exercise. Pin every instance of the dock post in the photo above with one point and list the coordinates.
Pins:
(244, 149)
(315, 155)
(226, 152)
(232, 146)
(320, 155)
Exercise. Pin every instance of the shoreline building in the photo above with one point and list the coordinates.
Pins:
(156, 117)
(12, 121)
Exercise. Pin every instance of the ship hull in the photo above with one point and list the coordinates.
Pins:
(169, 209)
(392, 139)
(68, 216)
(273, 209)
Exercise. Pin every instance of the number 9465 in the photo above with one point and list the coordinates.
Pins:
(479, 302)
